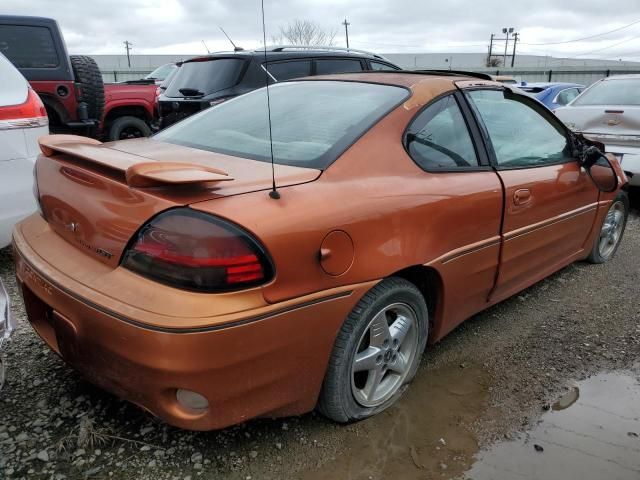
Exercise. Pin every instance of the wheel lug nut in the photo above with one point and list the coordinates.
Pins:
(379, 359)
(385, 343)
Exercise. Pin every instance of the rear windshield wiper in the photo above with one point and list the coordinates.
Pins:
(191, 92)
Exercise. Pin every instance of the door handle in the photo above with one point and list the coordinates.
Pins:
(522, 196)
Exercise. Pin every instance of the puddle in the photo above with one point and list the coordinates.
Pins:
(591, 433)
(424, 436)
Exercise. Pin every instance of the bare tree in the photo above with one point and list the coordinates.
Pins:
(492, 61)
(304, 32)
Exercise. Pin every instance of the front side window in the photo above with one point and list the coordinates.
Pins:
(326, 66)
(621, 91)
(28, 46)
(312, 122)
(439, 138)
(287, 70)
(565, 96)
(520, 136)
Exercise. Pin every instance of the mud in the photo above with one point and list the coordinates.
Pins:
(427, 434)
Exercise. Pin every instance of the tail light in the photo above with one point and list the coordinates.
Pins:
(31, 113)
(191, 250)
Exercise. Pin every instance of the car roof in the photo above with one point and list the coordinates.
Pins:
(404, 78)
(272, 55)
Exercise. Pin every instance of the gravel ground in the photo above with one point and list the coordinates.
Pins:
(490, 378)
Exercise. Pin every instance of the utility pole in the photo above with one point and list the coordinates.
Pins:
(515, 41)
(346, 30)
(128, 46)
(490, 50)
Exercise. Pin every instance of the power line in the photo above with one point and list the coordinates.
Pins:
(598, 50)
(585, 38)
(610, 46)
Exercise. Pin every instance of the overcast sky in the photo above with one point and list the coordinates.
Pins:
(386, 26)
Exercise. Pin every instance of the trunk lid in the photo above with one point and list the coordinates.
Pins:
(611, 125)
(96, 196)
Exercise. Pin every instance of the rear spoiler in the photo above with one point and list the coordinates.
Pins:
(138, 174)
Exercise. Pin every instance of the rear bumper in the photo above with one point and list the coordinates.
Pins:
(267, 364)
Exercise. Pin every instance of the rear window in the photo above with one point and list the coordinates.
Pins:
(202, 78)
(28, 46)
(313, 122)
(612, 92)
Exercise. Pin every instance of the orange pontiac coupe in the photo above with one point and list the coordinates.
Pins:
(168, 272)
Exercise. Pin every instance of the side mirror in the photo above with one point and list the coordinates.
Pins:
(600, 170)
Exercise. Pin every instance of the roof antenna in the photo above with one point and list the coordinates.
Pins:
(205, 47)
(273, 193)
(235, 48)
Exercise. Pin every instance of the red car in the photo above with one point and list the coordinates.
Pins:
(71, 87)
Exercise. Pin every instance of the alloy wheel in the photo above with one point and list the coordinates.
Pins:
(611, 230)
(384, 355)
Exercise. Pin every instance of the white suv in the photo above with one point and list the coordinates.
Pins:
(23, 119)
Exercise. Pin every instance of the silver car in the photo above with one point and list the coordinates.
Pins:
(23, 119)
(609, 112)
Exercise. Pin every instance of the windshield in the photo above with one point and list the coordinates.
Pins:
(611, 92)
(313, 122)
(162, 72)
(204, 77)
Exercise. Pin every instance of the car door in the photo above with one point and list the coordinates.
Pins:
(550, 200)
(444, 141)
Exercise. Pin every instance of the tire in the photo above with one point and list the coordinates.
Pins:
(614, 223)
(127, 127)
(87, 73)
(343, 397)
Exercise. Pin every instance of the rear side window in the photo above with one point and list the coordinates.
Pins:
(287, 70)
(439, 138)
(313, 122)
(326, 66)
(200, 78)
(28, 46)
